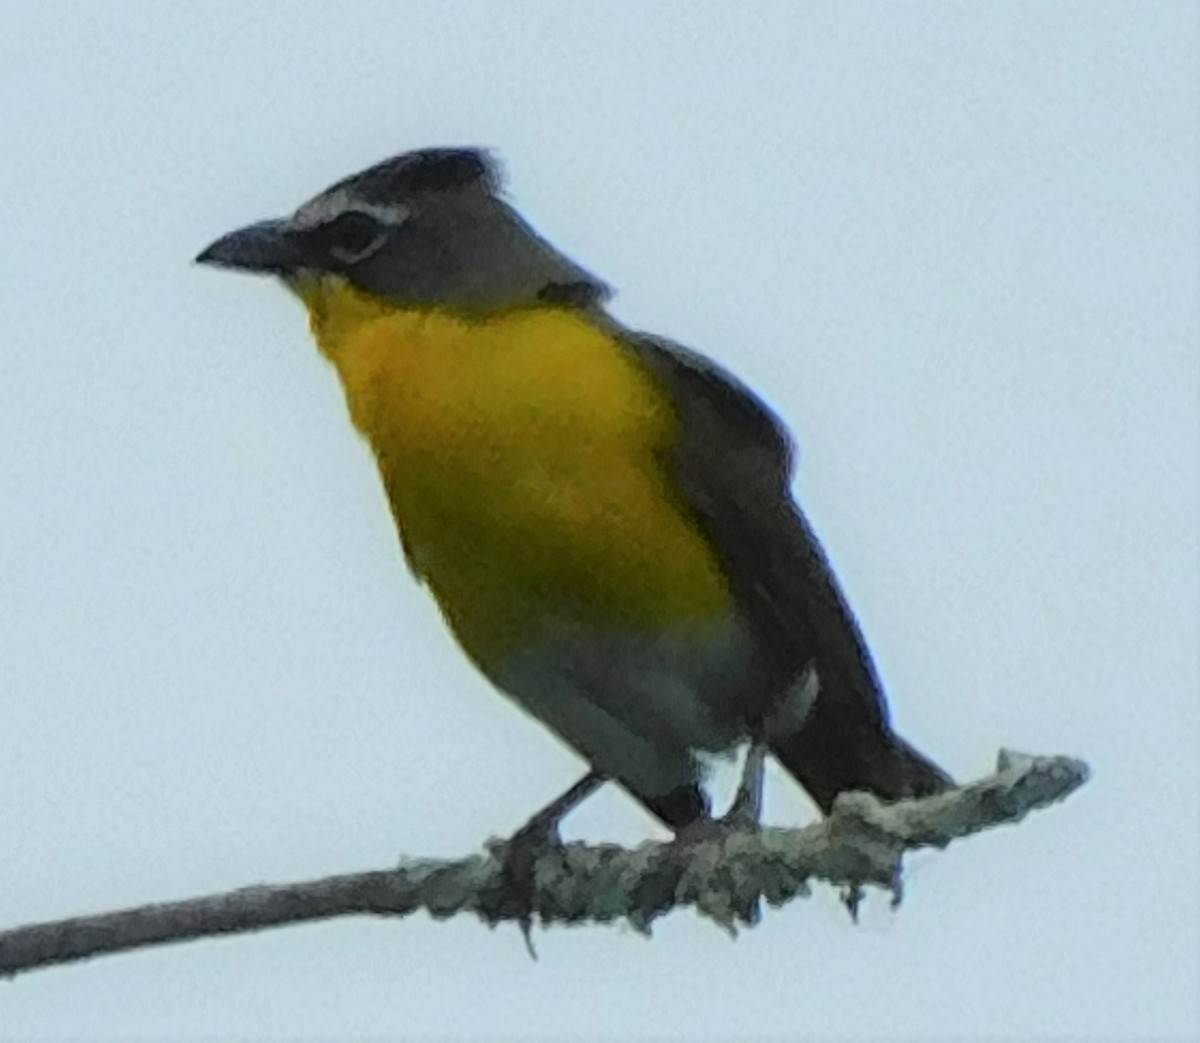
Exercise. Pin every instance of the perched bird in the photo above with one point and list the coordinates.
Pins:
(603, 517)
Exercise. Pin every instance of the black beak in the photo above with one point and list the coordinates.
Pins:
(269, 246)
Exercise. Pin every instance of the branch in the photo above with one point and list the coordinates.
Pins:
(724, 876)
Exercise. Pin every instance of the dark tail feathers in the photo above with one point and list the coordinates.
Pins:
(827, 757)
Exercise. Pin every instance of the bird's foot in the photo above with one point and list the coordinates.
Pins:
(697, 857)
(520, 854)
(518, 857)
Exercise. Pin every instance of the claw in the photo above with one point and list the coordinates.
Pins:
(742, 817)
(519, 855)
(660, 887)
(852, 898)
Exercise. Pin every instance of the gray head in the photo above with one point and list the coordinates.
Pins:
(425, 229)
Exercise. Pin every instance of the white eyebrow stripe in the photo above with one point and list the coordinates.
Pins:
(326, 207)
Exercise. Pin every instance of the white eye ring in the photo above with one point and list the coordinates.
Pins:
(348, 256)
(364, 231)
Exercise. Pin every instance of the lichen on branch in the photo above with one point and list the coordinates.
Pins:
(726, 877)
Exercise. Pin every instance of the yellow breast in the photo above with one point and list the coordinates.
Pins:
(527, 461)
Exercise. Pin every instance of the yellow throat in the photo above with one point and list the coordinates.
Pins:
(526, 457)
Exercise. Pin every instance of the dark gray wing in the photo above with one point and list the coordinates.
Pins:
(734, 467)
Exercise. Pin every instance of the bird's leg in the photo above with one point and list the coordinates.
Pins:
(520, 853)
(543, 827)
(741, 818)
(746, 810)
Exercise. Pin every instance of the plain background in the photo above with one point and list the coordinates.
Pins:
(954, 244)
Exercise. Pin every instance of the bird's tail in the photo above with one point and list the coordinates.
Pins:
(833, 752)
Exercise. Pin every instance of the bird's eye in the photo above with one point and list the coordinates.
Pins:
(352, 236)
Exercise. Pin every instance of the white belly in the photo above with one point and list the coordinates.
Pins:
(639, 709)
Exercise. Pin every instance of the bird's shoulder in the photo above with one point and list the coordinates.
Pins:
(726, 430)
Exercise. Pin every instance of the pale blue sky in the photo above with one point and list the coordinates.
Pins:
(955, 245)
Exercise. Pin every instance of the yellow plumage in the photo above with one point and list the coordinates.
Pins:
(526, 457)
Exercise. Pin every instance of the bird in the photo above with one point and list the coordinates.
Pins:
(604, 517)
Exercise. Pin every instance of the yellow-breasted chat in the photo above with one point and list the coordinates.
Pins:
(603, 517)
